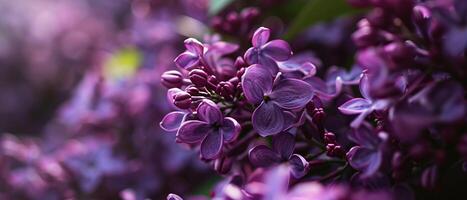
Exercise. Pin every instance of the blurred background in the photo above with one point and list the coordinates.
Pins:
(81, 100)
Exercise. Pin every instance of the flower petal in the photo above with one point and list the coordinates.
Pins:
(172, 121)
(299, 167)
(230, 129)
(355, 106)
(365, 160)
(194, 46)
(255, 83)
(187, 60)
(365, 136)
(211, 146)
(292, 93)
(279, 50)
(209, 112)
(284, 145)
(260, 37)
(192, 131)
(263, 156)
(268, 119)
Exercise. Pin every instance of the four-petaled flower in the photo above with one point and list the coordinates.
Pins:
(193, 56)
(267, 53)
(212, 130)
(368, 155)
(274, 98)
(283, 146)
(362, 106)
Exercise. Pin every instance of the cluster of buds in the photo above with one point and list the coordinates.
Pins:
(234, 23)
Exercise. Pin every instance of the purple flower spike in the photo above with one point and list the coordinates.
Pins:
(267, 53)
(192, 57)
(274, 99)
(212, 130)
(282, 148)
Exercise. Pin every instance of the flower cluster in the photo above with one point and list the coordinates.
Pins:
(391, 127)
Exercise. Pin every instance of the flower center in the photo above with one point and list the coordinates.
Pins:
(266, 98)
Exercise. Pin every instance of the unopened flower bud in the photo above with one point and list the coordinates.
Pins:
(172, 79)
(235, 81)
(192, 90)
(223, 165)
(421, 15)
(182, 100)
(240, 63)
(225, 89)
(212, 82)
(249, 14)
(319, 115)
(429, 177)
(329, 137)
(198, 77)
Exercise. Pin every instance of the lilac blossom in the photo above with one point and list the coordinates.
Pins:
(283, 145)
(267, 53)
(273, 98)
(212, 130)
(362, 106)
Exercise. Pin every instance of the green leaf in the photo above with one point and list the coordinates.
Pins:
(317, 11)
(215, 6)
(122, 63)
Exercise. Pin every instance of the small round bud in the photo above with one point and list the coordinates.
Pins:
(192, 90)
(223, 165)
(250, 14)
(240, 63)
(329, 137)
(235, 81)
(212, 82)
(198, 77)
(319, 115)
(182, 100)
(225, 89)
(172, 79)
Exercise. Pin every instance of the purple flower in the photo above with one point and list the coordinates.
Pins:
(273, 98)
(283, 146)
(362, 106)
(267, 53)
(193, 55)
(212, 130)
(368, 155)
(172, 121)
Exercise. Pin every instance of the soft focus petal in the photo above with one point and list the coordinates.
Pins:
(260, 37)
(284, 145)
(365, 86)
(268, 119)
(172, 121)
(194, 46)
(187, 60)
(192, 131)
(263, 156)
(255, 83)
(360, 119)
(222, 48)
(292, 94)
(211, 146)
(320, 88)
(365, 136)
(209, 112)
(174, 197)
(355, 106)
(230, 129)
(279, 50)
(299, 167)
(365, 160)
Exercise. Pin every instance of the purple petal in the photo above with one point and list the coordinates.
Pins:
(284, 145)
(260, 37)
(268, 119)
(320, 87)
(171, 95)
(365, 160)
(192, 131)
(292, 94)
(174, 197)
(299, 166)
(365, 136)
(222, 48)
(365, 86)
(355, 106)
(172, 121)
(230, 129)
(187, 60)
(254, 56)
(211, 146)
(209, 112)
(263, 156)
(279, 50)
(194, 46)
(360, 118)
(256, 82)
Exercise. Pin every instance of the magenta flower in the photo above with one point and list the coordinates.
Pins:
(273, 98)
(193, 55)
(267, 53)
(362, 106)
(283, 146)
(212, 130)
